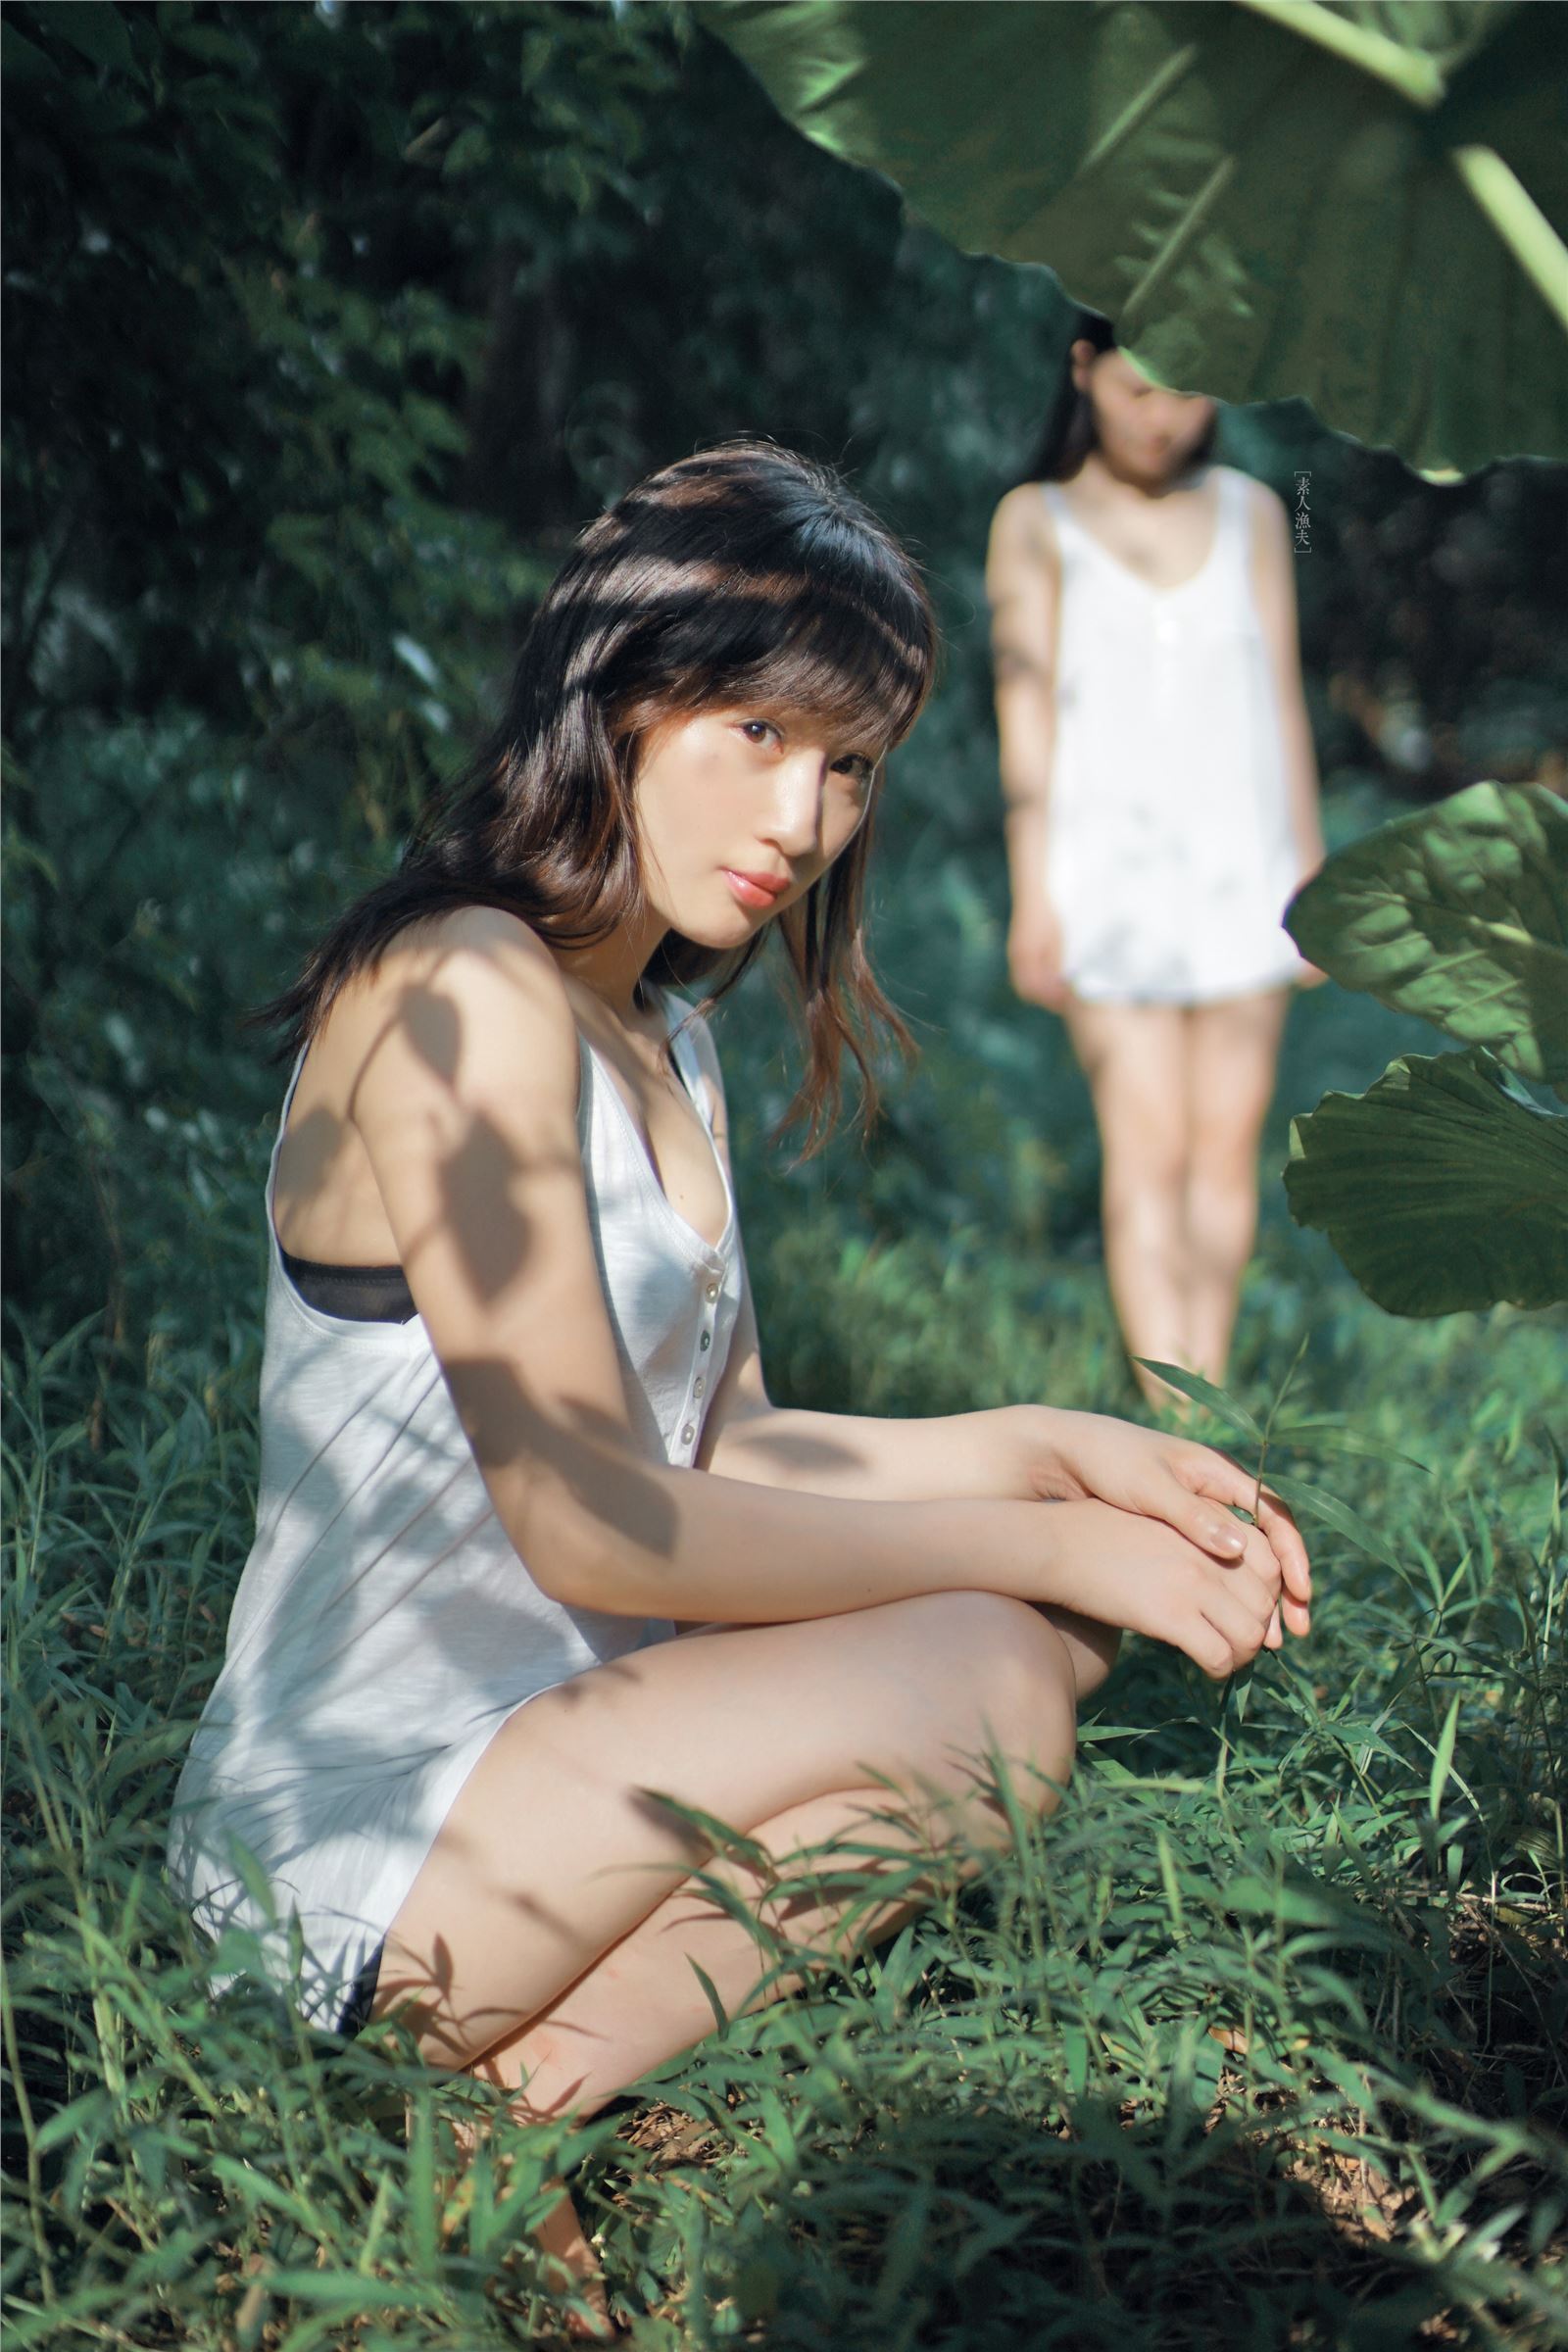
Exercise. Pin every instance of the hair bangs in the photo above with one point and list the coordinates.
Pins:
(834, 658)
(791, 644)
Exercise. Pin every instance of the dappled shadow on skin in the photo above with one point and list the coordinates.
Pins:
(312, 1148)
(890, 1859)
(478, 1179)
(583, 1447)
(480, 1212)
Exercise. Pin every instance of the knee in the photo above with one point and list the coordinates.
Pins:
(1008, 1689)
(1225, 1148)
(1143, 1176)
(1222, 1190)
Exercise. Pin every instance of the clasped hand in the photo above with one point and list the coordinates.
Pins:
(1177, 1565)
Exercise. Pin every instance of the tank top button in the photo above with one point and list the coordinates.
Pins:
(699, 1385)
(688, 1433)
(711, 1293)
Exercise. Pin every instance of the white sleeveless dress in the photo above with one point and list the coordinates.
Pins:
(1171, 856)
(384, 1627)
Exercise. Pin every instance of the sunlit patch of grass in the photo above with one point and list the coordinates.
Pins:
(1260, 2041)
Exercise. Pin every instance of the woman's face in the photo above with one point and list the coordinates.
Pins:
(1145, 434)
(739, 811)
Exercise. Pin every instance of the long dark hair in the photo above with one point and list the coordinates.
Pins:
(1070, 428)
(745, 574)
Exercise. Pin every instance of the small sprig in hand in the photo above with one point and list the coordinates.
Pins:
(1191, 1486)
(1272, 1434)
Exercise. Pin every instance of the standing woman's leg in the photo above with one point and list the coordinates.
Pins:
(1232, 1052)
(1132, 1056)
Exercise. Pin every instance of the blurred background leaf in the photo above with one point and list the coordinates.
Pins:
(1362, 207)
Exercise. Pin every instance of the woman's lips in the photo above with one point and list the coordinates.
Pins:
(756, 890)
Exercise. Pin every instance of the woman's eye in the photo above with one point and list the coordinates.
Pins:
(859, 769)
(758, 730)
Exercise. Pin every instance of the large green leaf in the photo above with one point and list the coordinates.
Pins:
(1361, 204)
(1459, 913)
(1439, 1187)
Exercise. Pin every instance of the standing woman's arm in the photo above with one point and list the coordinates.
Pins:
(1274, 588)
(1022, 589)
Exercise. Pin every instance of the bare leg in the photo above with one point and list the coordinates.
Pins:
(644, 1999)
(548, 1942)
(1231, 1050)
(1132, 1058)
(557, 1848)
(638, 1987)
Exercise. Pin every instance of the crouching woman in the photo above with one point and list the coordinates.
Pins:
(515, 1425)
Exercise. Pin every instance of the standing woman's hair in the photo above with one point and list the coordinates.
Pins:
(743, 575)
(1069, 430)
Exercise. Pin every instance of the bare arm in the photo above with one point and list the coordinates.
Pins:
(466, 1100)
(1274, 587)
(1022, 588)
(1014, 1452)
(858, 1456)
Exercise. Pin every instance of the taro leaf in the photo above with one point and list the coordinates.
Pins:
(1440, 1187)
(1272, 198)
(1458, 914)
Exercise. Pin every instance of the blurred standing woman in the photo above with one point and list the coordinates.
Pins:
(1162, 797)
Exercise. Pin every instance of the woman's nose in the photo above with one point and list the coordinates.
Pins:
(794, 819)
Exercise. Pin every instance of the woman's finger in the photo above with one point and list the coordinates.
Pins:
(1235, 1623)
(1206, 1473)
(1257, 1582)
(1272, 1550)
(1195, 1517)
(1282, 1533)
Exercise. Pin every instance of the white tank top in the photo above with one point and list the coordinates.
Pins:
(1171, 853)
(384, 1627)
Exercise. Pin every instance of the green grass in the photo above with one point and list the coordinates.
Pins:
(1261, 2042)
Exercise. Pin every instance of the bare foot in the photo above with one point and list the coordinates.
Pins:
(562, 2241)
(571, 2261)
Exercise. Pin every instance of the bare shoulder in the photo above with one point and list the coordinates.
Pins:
(471, 1000)
(1023, 567)
(469, 940)
(1263, 505)
(1021, 525)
